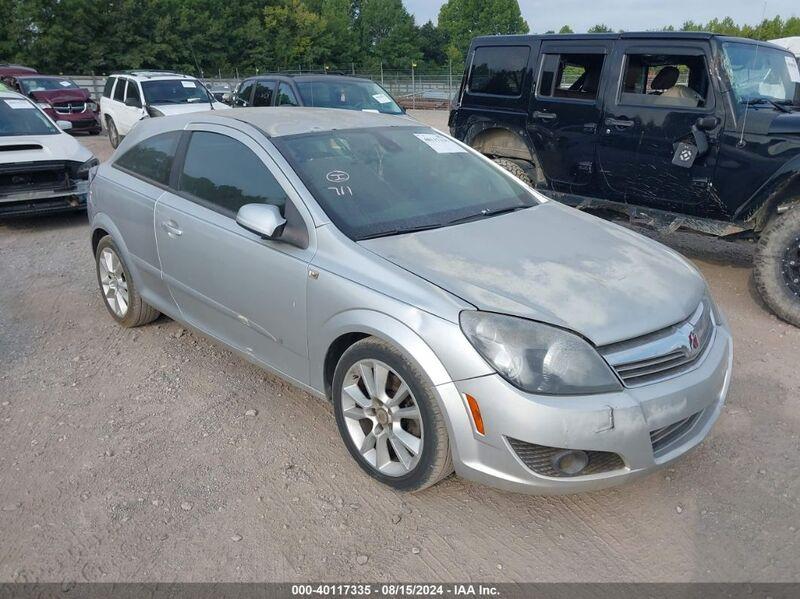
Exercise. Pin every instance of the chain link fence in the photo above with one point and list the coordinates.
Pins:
(412, 88)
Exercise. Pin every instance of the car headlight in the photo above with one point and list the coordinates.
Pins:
(83, 169)
(538, 358)
(92, 106)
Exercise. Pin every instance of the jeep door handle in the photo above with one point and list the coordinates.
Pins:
(171, 227)
(619, 123)
(544, 116)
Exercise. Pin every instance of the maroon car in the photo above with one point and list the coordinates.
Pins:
(61, 99)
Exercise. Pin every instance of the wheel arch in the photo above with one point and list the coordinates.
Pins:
(101, 226)
(349, 327)
(781, 190)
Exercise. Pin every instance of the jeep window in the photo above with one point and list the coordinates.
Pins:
(175, 91)
(761, 73)
(665, 80)
(241, 96)
(119, 90)
(108, 87)
(350, 94)
(20, 117)
(574, 76)
(498, 70)
(151, 159)
(286, 96)
(132, 93)
(264, 93)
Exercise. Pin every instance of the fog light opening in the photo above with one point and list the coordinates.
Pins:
(475, 410)
(570, 462)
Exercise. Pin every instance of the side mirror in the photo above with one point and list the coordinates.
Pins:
(262, 219)
(707, 123)
(64, 125)
(133, 102)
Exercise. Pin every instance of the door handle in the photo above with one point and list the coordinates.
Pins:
(171, 227)
(619, 123)
(544, 116)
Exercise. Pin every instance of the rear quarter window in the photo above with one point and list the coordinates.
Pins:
(498, 70)
(152, 158)
(108, 87)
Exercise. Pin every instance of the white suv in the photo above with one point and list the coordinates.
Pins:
(134, 95)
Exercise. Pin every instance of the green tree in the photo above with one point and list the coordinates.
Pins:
(599, 28)
(387, 33)
(433, 44)
(293, 33)
(566, 29)
(461, 20)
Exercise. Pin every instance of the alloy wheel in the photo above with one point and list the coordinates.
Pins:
(791, 266)
(113, 282)
(382, 417)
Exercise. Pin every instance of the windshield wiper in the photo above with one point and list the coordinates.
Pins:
(402, 231)
(484, 214)
(755, 101)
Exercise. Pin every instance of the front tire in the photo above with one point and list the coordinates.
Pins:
(388, 417)
(776, 269)
(515, 169)
(120, 296)
(113, 134)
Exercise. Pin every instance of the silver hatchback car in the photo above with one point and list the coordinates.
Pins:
(456, 319)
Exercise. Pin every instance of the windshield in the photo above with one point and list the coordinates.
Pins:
(20, 117)
(29, 85)
(174, 91)
(761, 73)
(389, 180)
(351, 95)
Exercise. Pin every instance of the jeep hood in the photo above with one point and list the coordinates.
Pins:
(39, 148)
(57, 96)
(553, 264)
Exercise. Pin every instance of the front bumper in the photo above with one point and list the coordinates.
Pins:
(620, 423)
(81, 121)
(25, 203)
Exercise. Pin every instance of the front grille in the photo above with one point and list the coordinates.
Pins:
(665, 437)
(665, 353)
(34, 176)
(69, 107)
(539, 458)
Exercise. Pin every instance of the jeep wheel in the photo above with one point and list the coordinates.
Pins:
(515, 169)
(777, 266)
(113, 134)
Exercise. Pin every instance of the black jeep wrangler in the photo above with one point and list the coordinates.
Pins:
(676, 130)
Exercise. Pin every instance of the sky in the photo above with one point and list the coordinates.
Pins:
(630, 15)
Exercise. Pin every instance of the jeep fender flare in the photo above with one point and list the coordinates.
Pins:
(494, 139)
(781, 189)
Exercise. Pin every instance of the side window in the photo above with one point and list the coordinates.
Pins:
(151, 158)
(264, 92)
(132, 92)
(108, 87)
(665, 80)
(575, 76)
(286, 96)
(498, 70)
(119, 90)
(242, 97)
(225, 175)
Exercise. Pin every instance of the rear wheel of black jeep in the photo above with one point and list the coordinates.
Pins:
(777, 266)
(515, 169)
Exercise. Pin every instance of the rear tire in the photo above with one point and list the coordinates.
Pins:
(776, 271)
(383, 419)
(515, 169)
(120, 296)
(113, 134)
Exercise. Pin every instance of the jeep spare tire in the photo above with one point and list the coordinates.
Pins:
(777, 266)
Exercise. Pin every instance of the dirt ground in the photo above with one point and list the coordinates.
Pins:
(134, 455)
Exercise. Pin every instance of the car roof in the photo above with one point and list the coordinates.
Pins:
(644, 35)
(37, 76)
(309, 77)
(144, 74)
(283, 121)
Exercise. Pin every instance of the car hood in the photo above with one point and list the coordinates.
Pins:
(38, 148)
(554, 264)
(57, 96)
(173, 109)
(786, 123)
